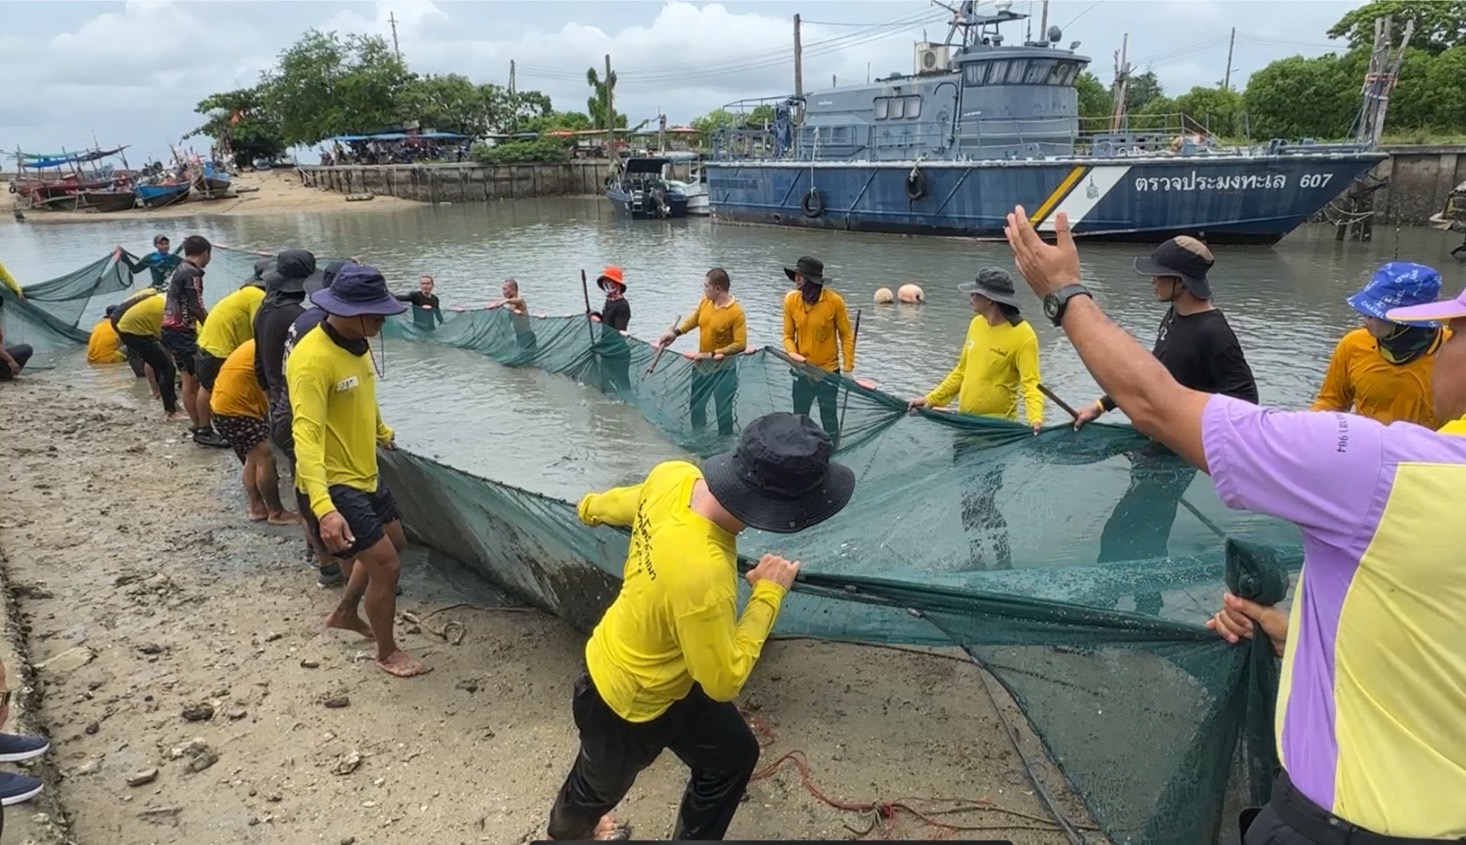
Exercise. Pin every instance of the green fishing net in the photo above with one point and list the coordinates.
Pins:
(1076, 567)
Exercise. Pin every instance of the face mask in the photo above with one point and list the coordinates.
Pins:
(811, 292)
(1407, 344)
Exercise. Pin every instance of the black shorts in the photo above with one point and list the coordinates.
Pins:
(184, 347)
(208, 369)
(243, 433)
(366, 514)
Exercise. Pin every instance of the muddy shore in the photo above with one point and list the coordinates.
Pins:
(265, 192)
(180, 647)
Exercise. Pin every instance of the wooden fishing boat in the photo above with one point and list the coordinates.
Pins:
(120, 199)
(163, 194)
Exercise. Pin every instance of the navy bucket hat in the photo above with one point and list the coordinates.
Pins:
(358, 291)
(779, 478)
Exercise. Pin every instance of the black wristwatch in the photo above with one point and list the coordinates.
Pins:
(1056, 302)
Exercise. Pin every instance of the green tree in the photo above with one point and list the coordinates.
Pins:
(595, 105)
(323, 86)
(241, 120)
(539, 151)
(567, 121)
(1095, 102)
(1217, 109)
(1143, 88)
(1297, 97)
(1439, 24)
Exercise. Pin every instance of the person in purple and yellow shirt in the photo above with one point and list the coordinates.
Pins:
(1369, 727)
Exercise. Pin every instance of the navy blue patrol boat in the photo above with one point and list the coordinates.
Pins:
(982, 126)
(641, 192)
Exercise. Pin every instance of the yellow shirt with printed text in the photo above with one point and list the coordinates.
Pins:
(337, 424)
(996, 365)
(675, 620)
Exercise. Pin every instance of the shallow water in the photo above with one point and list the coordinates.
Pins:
(548, 434)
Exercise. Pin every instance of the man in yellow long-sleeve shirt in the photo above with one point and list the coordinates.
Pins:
(999, 361)
(671, 653)
(1383, 371)
(816, 330)
(337, 427)
(722, 331)
(230, 324)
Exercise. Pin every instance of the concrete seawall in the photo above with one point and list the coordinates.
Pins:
(1417, 177)
(461, 183)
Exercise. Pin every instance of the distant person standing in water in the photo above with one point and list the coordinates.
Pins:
(426, 309)
(614, 317)
(816, 331)
(518, 313)
(722, 330)
(1199, 349)
(160, 262)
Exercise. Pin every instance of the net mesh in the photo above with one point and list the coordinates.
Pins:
(1076, 567)
(50, 314)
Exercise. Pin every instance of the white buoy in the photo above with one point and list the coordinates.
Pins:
(911, 293)
(884, 296)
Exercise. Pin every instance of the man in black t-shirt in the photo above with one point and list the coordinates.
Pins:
(425, 305)
(1201, 351)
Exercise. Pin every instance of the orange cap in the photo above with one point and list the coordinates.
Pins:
(612, 273)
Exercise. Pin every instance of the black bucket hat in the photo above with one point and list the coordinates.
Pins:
(812, 269)
(993, 283)
(1183, 257)
(779, 478)
(295, 271)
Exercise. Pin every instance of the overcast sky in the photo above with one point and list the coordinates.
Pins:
(132, 71)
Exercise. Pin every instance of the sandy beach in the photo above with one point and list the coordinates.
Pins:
(175, 654)
(278, 192)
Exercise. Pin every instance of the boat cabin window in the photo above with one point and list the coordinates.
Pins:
(896, 108)
(1020, 72)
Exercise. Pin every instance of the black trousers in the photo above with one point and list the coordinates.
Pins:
(135, 361)
(151, 350)
(987, 530)
(709, 736)
(22, 353)
(827, 392)
(1139, 528)
(1292, 819)
(720, 382)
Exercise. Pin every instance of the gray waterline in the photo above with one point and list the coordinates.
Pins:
(548, 434)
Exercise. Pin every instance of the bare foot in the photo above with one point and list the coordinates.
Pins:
(258, 515)
(611, 829)
(173, 417)
(352, 623)
(285, 518)
(402, 665)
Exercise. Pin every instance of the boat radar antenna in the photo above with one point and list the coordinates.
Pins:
(977, 28)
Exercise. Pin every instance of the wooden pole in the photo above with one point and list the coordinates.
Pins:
(855, 338)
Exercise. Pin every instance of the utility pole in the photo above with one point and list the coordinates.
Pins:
(1227, 79)
(392, 19)
(1122, 83)
(513, 101)
(798, 68)
(1043, 23)
(610, 114)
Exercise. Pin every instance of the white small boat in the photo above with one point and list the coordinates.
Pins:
(696, 190)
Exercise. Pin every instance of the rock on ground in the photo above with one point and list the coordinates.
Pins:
(147, 593)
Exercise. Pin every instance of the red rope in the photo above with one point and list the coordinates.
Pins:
(884, 814)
